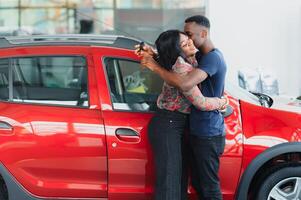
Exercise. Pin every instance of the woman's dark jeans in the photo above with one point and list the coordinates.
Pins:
(166, 135)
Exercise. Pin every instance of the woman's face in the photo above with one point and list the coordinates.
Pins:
(187, 46)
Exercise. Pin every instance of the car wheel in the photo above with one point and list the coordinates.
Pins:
(2, 196)
(3, 190)
(283, 184)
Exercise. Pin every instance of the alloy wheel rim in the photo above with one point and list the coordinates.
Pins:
(287, 189)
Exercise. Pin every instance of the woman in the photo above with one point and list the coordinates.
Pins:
(166, 129)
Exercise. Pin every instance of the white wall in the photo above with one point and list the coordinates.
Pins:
(260, 33)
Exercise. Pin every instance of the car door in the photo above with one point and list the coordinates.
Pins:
(127, 105)
(54, 144)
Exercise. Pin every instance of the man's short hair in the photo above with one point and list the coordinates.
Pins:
(200, 20)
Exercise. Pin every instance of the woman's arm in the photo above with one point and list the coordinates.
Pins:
(194, 95)
(197, 99)
(183, 83)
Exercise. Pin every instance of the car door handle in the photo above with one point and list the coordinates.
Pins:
(6, 129)
(127, 135)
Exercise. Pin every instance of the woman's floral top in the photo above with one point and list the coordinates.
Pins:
(175, 100)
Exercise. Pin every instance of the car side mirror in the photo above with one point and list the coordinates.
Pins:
(264, 100)
(228, 111)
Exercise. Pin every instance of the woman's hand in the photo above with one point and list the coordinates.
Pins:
(145, 49)
(146, 54)
(148, 61)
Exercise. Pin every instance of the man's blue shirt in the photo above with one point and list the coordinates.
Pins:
(210, 123)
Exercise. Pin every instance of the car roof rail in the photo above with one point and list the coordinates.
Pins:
(69, 39)
(4, 42)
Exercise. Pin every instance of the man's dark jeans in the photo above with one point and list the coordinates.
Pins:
(205, 161)
(166, 136)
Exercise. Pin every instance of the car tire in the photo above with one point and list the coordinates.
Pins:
(2, 193)
(3, 190)
(2, 196)
(284, 183)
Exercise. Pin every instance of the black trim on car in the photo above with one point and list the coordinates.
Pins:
(259, 161)
(17, 192)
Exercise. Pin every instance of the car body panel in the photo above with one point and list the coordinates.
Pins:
(58, 151)
(267, 127)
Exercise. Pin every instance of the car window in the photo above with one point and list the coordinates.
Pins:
(132, 88)
(59, 80)
(4, 79)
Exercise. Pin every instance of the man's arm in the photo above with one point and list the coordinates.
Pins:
(184, 83)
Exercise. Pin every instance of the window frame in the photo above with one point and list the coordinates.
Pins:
(10, 80)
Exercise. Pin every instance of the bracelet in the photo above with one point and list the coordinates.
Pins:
(220, 104)
(227, 102)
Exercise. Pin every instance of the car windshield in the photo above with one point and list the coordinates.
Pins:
(239, 93)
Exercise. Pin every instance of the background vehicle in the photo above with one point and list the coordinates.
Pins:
(74, 111)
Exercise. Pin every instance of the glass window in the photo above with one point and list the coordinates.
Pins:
(45, 20)
(8, 20)
(4, 79)
(8, 3)
(50, 80)
(105, 20)
(137, 3)
(132, 88)
(44, 3)
(182, 4)
(104, 3)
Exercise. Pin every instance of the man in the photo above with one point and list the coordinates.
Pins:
(207, 132)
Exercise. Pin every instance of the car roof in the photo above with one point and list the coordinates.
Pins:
(117, 41)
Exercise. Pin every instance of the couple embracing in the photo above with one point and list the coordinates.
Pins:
(194, 74)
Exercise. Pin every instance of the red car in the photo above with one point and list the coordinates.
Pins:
(74, 111)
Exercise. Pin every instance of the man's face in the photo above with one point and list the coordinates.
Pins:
(197, 33)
